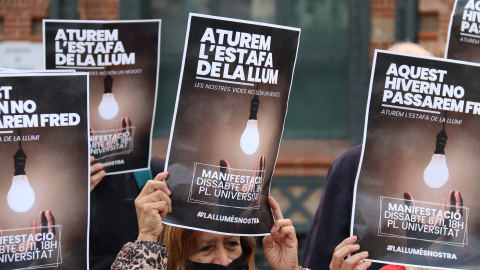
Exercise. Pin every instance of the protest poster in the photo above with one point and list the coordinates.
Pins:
(228, 122)
(44, 159)
(122, 58)
(416, 193)
(463, 41)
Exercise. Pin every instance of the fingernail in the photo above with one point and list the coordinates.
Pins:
(273, 229)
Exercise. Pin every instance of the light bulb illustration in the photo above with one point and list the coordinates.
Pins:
(108, 107)
(20, 197)
(436, 174)
(250, 138)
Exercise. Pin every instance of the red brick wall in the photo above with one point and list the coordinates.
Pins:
(382, 27)
(383, 24)
(436, 42)
(98, 9)
(17, 16)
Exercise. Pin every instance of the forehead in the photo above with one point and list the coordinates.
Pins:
(206, 236)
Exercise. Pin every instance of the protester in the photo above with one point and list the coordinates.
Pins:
(190, 249)
(331, 223)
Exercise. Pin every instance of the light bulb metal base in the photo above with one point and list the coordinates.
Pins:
(108, 84)
(441, 142)
(20, 160)
(254, 104)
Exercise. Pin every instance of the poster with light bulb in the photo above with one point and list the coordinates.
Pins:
(123, 83)
(463, 41)
(45, 170)
(416, 194)
(228, 122)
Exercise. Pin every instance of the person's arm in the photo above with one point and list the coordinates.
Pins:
(331, 223)
(141, 255)
(152, 205)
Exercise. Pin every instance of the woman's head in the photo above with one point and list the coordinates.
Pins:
(203, 247)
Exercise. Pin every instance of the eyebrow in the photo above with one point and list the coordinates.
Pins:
(207, 241)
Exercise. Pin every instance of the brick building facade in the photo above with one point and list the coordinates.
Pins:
(20, 20)
(434, 20)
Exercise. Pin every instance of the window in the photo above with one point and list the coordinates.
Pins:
(37, 27)
(428, 25)
(2, 27)
(318, 105)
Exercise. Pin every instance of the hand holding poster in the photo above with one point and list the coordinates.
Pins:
(45, 178)
(123, 83)
(416, 195)
(230, 110)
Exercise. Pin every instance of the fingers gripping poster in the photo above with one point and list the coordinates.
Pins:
(122, 58)
(230, 110)
(416, 196)
(45, 177)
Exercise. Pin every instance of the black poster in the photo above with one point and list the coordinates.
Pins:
(122, 58)
(228, 123)
(416, 195)
(44, 160)
(464, 35)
